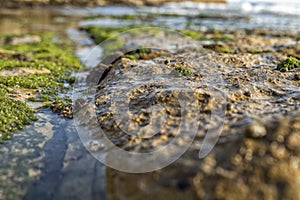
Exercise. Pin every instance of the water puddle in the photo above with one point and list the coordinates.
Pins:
(46, 160)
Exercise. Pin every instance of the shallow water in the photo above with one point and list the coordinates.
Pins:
(237, 15)
(46, 160)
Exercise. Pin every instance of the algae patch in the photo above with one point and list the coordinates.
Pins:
(13, 114)
(288, 64)
(48, 71)
(183, 70)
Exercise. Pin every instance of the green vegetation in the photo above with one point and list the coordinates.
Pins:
(224, 17)
(140, 53)
(198, 35)
(223, 38)
(220, 47)
(138, 16)
(13, 114)
(183, 70)
(288, 64)
(255, 51)
(100, 34)
(59, 104)
(56, 57)
(132, 56)
(121, 17)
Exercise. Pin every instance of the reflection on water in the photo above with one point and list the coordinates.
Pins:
(22, 21)
(46, 160)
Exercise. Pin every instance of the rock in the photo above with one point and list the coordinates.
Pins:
(25, 39)
(255, 130)
(253, 159)
(293, 142)
(242, 168)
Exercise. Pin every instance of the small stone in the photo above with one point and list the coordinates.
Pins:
(255, 130)
(229, 107)
(248, 94)
(293, 142)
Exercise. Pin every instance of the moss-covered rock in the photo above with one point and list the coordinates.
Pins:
(288, 64)
(50, 65)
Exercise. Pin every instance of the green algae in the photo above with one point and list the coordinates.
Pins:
(140, 53)
(108, 35)
(60, 61)
(216, 37)
(196, 35)
(255, 51)
(121, 17)
(183, 70)
(220, 47)
(132, 57)
(13, 114)
(99, 34)
(47, 50)
(288, 64)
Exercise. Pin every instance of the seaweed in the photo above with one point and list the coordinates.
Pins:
(60, 61)
(288, 64)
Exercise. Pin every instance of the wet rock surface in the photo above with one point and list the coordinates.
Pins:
(256, 156)
(238, 168)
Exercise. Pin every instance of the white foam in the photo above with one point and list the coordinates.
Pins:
(288, 7)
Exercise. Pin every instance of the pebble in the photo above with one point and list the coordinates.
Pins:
(293, 142)
(255, 130)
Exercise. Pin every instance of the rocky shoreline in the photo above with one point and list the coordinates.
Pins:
(244, 81)
(32, 3)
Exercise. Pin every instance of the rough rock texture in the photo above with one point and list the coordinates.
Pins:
(242, 168)
(257, 155)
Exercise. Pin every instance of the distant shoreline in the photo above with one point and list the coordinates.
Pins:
(33, 3)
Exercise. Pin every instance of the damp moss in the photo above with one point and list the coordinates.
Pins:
(183, 70)
(13, 114)
(121, 17)
(32, 81)
(132, 56)
(99, 34)
(47, 50)
(222, 17)
(289, 64)
(196, 35)
(140, 53)
(255, 51)
(113, 45)
(60, 61)
(223, 38)
(220, 47)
